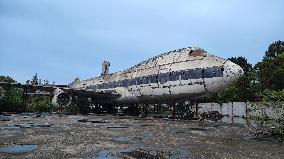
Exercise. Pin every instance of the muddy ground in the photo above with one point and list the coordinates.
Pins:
(107, 136)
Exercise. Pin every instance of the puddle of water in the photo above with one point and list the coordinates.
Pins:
(93, 121)
(142, 152)
(7, 115)
(238, 121)
(227, 121)
(146, 125)
(193, 130)
(132, 137)
(18, 148)
(5, 132)
(27, 125)
(4, 118)
(117, 127)
(27, 113)
(9, 127)
(234, 120)
(196, 129)
(261, 138)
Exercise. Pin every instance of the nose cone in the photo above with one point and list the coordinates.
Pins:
(233, 71)
(230, 72)
(240, 71)
(237, 70)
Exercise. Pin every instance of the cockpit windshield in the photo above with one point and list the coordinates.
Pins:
(198, 52)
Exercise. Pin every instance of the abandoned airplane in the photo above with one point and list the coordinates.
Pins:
(179, 75)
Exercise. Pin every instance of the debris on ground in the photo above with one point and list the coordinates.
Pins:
(211, 115)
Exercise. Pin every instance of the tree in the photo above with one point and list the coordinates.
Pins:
(271, 72)
(39, 104)
(7, 79)
(242, 61)
(12, 98)
(274, 49)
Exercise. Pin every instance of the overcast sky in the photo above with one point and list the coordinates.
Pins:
(64, 39)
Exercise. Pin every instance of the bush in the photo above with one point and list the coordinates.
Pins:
(39, 104)
(279, 133)
(12, 100)
(12, 97)
(272, 95)
(73, 109)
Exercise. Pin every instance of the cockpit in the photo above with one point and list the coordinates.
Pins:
(198, 52)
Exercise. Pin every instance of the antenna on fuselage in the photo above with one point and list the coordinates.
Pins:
(105, 68)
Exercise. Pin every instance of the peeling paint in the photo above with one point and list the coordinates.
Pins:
(187, 71)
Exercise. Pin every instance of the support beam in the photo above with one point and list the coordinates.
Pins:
(196, 109)
(174, 110)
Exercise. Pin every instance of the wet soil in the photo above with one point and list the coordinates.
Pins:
(89, 136)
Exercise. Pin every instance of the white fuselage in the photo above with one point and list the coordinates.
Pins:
(183, 74)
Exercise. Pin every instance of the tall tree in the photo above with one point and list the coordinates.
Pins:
(274, 49)
(12, 98)
(271, 72)
(7, 79)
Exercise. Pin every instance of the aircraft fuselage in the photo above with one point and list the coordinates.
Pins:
(184, 74)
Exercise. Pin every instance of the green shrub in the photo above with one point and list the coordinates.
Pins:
(280, 133)
(11, 100)
(39, 104)
(272, 95)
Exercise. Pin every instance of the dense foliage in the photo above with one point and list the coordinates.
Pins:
(271, 73)
(39, 104)
(12, 97)
(274, 50)
(7, 79)
(12, 100)
(264, 81)
(272, 95)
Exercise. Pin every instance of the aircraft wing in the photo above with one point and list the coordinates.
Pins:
(56, 90)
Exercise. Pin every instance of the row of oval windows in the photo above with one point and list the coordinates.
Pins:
(163, 78)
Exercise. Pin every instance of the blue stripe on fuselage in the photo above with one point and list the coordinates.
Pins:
(163, 78)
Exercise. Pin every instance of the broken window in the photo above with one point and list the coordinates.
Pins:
(196, 74)
(139, 81)
(163, 78)
(145, 80)
(154, 79)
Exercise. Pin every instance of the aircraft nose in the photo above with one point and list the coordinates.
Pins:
(237, 70)
(240, 71)
(233, 70)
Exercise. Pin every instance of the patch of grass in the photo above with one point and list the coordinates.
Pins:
(279, 133)
(261, 119)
